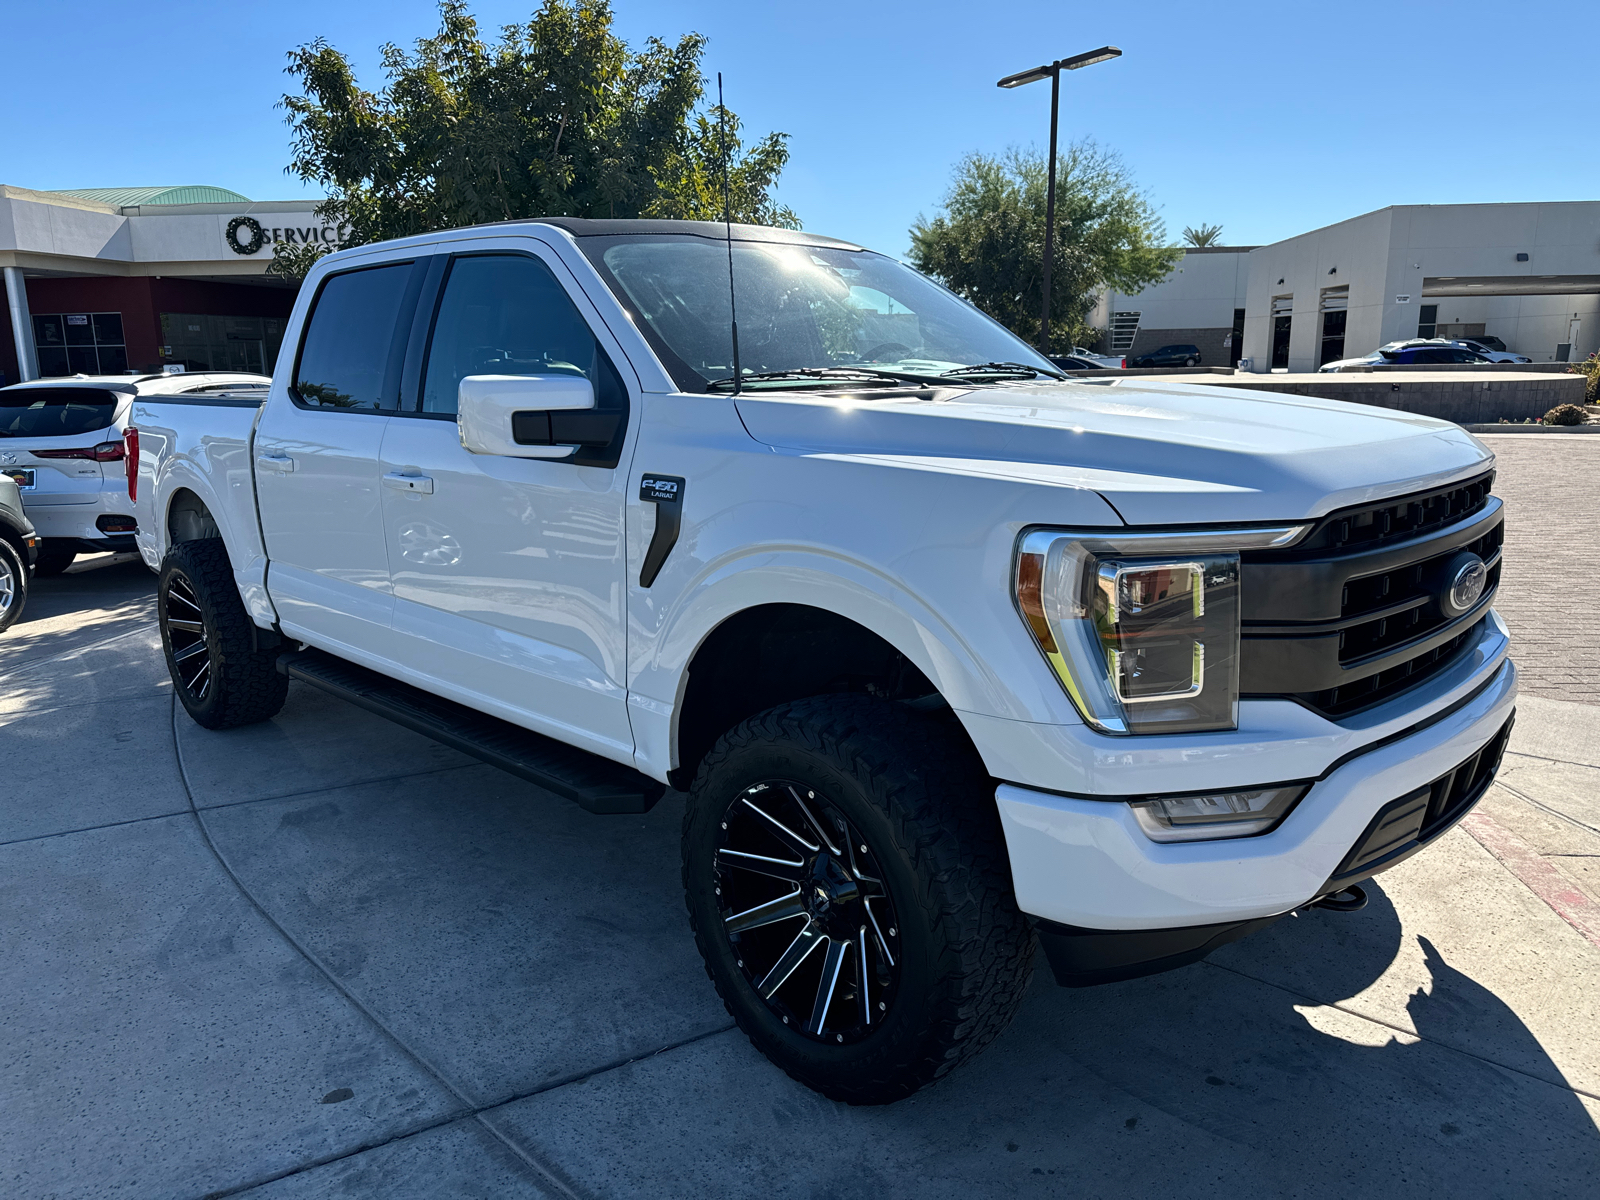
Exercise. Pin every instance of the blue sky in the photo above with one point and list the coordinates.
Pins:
(1266, 118)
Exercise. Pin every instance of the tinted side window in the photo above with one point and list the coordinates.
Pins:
(347, 359)
(506, 314)
(503, 315)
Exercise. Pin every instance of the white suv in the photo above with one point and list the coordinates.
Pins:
(61, 440)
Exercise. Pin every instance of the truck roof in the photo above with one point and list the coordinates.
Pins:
(587, 227)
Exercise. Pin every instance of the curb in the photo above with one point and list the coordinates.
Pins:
(1539, 876)
(1510, 428)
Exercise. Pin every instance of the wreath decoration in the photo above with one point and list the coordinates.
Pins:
(257, 235)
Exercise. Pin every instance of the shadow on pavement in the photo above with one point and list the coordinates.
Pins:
(1204, 1081)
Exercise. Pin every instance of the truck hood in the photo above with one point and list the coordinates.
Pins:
(1159, 453)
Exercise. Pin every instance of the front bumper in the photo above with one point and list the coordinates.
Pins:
(1085, 863)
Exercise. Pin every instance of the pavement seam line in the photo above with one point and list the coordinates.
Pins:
(43, 837)
(547, 1176)
(1543, 879)
(22, 713)
(459, 1118)
(1361, 1016)
(57, 657)
(184, 812)
(1543, 807)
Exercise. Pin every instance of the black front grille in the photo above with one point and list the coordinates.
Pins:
(1404, 826)
(1402, 600)
(1368, 690)
(1369, 525)
(1353, 614)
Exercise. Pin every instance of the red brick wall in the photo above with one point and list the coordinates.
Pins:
(141, 300)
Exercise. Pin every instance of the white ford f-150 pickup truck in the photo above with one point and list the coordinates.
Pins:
(953, 656)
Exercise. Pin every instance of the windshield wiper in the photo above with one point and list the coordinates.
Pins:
(824, 375)
(1020, 370)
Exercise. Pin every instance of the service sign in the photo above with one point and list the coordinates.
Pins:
(255, 236)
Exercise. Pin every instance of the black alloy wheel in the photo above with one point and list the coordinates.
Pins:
(848, 885)
(189, 647)
(805, 910)
(223, 668)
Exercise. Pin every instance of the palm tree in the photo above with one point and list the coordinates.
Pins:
(1206, 235)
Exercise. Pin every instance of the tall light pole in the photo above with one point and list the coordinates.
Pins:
(1052, 72)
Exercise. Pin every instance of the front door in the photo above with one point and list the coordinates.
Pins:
(508, 573)
(317, 463)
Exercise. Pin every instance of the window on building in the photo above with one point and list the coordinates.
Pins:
(1282, 316)
(1427, 320)
(199, 342)
(1124, 328)
(1335, 302)
(1236, 343)
(80, 344)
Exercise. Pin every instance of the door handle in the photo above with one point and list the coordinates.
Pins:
(281, 463)
(400, 481)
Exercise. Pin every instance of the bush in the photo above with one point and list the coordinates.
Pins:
(1565, 414)
(1590, 369)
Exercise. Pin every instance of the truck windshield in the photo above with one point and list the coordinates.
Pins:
(55, 411)
(800, 308)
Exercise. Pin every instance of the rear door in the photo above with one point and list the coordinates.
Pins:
(509, 573)
(317, 461)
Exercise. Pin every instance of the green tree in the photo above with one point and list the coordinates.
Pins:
(559, 117)
(988, 244)
(1206, 235)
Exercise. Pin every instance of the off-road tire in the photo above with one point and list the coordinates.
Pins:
(53, 558)
(912, 787)
(13, 585)
(243, 685)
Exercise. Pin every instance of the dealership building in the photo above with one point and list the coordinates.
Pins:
(107, 280)
(1528, 274)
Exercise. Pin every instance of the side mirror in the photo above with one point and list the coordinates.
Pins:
(510, 415)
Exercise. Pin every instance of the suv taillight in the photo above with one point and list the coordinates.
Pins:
(104, 452)
(130, 439)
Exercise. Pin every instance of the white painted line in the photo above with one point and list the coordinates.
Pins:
(1540, 877)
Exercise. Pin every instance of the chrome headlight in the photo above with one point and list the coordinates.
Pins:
(1142, 629)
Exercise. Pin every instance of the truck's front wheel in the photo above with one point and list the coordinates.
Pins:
(223, 680)
(849, 889)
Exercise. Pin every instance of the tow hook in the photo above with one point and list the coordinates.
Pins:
(1348, 899)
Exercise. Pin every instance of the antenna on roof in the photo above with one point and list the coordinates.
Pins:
(727, 221)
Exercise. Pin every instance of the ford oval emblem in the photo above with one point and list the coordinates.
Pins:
(1466, 585)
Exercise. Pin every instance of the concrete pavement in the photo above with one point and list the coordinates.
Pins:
(325, 957)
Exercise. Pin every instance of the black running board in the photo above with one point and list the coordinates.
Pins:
(594, 783)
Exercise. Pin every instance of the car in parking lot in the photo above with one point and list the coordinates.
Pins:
(1493, 349)
(1422, 352)
(1111, 362)
(18, 546)
(61, 441)
(1168, 356)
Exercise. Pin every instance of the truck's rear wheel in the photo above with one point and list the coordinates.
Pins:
(849, 889)
(221, 678)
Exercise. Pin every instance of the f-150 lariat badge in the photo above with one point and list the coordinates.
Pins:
(666, 493)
